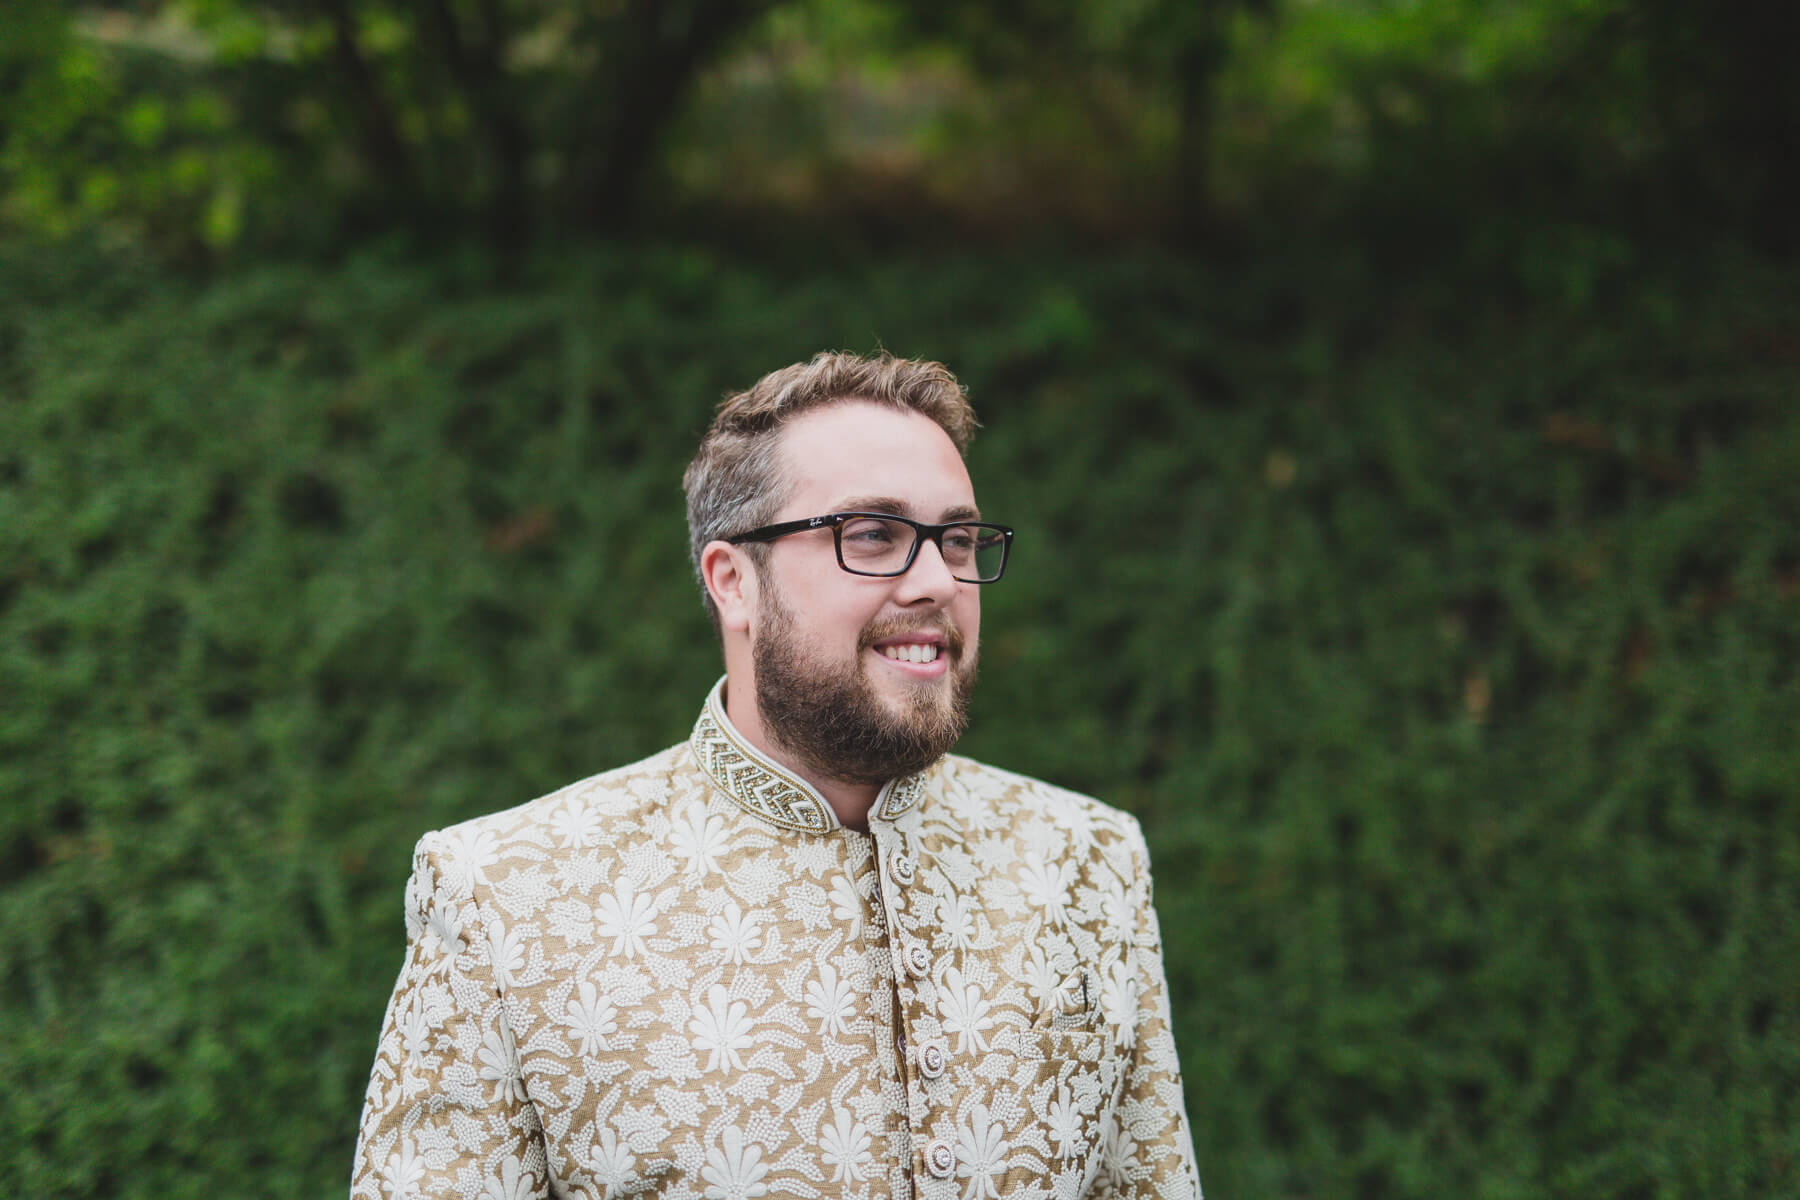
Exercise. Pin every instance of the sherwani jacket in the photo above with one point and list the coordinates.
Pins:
(684, 978)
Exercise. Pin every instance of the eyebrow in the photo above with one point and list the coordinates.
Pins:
(891, 504)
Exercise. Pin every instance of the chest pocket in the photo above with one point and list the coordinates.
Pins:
(1063, 1087)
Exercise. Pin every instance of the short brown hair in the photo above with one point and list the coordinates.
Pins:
(734, 482)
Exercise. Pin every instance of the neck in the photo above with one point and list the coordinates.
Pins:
(851, 802)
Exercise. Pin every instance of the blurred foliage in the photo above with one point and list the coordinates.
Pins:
(1440, 626)
(1466, 119)
(179, 119)
(1446, 647)
(202, 125)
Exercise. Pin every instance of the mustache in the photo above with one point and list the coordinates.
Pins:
(881, 630)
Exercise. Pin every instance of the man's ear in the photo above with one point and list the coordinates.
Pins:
(730, 580)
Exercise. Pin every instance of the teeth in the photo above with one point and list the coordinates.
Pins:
(911, 652)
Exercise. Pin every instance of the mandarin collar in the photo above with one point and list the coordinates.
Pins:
(769, 791)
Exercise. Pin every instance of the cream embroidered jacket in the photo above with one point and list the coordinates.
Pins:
(684, 978)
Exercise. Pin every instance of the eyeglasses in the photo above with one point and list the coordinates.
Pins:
(884, 545)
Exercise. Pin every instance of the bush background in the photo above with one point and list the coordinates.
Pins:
(1418, 564)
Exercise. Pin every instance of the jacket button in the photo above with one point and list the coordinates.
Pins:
(900, 869)
(940, 1160)
(931, 1061)
(918, 960)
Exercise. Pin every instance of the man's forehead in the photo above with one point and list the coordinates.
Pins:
(860, 456)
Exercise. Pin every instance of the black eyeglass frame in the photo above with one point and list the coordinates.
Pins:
(921, 531)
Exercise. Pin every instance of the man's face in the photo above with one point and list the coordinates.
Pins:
(836, 683)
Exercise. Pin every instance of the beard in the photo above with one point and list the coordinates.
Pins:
(833, 722)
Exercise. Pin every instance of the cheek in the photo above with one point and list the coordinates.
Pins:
(851, 613)
(967, 612)
(830, 602)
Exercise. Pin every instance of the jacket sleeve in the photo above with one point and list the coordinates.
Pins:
(446, 1112)
(1148, 1150)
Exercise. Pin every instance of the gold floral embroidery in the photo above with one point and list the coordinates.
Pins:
(685, 977)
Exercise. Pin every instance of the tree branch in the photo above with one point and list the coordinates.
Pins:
(660, 69)
(478, 72)
(383, 148)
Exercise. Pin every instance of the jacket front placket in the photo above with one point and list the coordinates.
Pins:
(911, 890)
(910, 1050)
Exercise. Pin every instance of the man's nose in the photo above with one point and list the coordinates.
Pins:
(929, 576)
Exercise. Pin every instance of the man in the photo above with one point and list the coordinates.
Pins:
(805, 952)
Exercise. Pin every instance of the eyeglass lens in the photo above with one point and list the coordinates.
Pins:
(875, 546)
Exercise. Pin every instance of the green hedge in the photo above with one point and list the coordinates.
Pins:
(1445, 646)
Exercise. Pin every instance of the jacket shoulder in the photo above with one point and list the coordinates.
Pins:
(1008, 789)
(572, 814)
(993, 797)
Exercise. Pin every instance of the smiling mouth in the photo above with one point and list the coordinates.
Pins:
(934, 644)
(913, 652)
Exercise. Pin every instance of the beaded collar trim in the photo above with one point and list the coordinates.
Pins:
(767, 790)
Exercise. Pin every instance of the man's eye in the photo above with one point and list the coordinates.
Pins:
(958, 541)
(872, 533)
